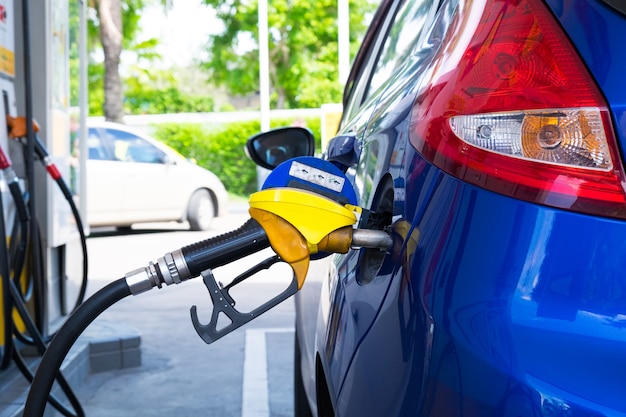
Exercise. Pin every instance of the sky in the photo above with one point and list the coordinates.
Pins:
(182, 30)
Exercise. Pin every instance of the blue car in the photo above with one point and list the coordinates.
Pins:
(486, 137)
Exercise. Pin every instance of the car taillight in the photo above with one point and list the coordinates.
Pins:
(510, 107)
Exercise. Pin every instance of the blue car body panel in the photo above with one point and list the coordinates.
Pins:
(487, 305)
(503, 308)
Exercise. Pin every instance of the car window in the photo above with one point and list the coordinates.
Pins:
(409, 23)
(132, 148)
(364, 62)
(401, 40)
(97, 150)
(394, 42)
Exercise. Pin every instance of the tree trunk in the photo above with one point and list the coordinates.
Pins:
(110, 16)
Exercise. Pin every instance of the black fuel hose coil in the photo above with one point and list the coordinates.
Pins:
(30, 175)
(7, 305)
(185, 263)
(63, 341)
(15, 257)
(40, 344)
(39, 149)
(55, 174)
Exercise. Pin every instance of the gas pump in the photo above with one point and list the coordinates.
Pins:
(38, 225)
(306, 208)
(8, 184)
(38, 38)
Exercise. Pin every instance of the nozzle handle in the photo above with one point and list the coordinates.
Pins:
(223, 303)
(225, 248)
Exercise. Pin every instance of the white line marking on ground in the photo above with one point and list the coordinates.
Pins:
(255, 398)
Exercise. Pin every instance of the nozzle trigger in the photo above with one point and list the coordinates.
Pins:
(224, 303)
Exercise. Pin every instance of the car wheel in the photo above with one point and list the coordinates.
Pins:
(201, 210)
(300, 403)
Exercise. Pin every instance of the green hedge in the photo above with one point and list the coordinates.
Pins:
(220, 148)
(144, 100)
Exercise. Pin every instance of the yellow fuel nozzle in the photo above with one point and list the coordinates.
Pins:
(300, 223)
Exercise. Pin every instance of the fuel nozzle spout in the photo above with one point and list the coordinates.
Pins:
(373, 239)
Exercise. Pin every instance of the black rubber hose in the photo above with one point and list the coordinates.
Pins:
(63, 341)
(23, 215)
(21, 365)
(37, 267)
(83, 240)
(44, 156)
(18, 302)
(39, 343)
(7, 310)
(17, 261)
(207, 254)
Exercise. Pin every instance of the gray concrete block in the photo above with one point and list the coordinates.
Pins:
(106, 361)
(131, 341)
(131, 358)
(104, 345)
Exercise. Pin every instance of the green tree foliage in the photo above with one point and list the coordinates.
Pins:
(302, 45)
(162, 101)
(156, 92)
(74, 27)
(303, 55)
(95, 70)
(143, 49)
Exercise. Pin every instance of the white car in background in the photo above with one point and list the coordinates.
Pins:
(133, 178)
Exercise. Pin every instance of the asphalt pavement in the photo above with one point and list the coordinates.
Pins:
(247, 373)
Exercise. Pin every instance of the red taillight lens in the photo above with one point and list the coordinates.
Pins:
(510, 107)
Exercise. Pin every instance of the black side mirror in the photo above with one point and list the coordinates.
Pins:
(270, 149)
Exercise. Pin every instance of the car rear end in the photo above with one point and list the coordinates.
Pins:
(516, 184)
